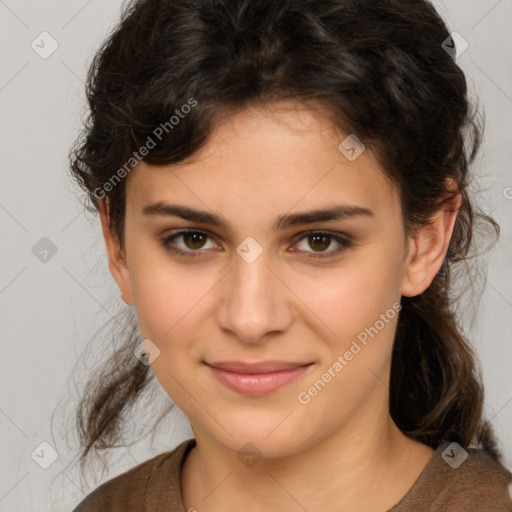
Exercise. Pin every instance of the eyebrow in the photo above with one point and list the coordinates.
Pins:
(338, 212)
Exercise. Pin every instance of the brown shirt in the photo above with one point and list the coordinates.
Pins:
(477, 484)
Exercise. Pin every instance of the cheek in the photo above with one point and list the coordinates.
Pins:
(165, 295)
(168, 302)
(350, 299)
(360, 306)
(362, 310)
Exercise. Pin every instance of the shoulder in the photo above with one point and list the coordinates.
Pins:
(128, 491)
(482, 479)
(460, 479)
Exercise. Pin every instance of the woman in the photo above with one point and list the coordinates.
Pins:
(283, 192)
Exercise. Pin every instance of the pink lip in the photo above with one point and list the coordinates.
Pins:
(257, 378)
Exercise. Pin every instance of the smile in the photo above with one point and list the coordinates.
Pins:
(257, 379)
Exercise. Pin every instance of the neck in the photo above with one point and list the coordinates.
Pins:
(357, 468)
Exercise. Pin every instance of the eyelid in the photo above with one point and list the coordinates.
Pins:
(175, 233)
(319, 231)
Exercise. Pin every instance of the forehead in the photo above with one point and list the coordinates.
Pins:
(277, 158)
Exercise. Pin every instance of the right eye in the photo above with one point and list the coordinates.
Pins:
(193, 239)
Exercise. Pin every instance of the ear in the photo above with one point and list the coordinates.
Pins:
(428, 248)
(116, 259)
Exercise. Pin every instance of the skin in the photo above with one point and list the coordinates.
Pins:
(340, 451)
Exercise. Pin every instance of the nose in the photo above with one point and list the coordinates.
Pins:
(254, 301)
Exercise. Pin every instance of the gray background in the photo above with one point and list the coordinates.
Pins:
(49, 310)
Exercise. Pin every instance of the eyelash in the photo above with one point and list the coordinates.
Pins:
(167, 243)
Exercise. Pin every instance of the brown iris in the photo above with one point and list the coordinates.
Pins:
(195, 237)
(316, 237)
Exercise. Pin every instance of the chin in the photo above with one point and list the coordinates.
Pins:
(269, 439)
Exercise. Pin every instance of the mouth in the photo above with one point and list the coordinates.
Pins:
(257, 378)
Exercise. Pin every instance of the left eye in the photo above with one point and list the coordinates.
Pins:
(194, 243)
(320, 240)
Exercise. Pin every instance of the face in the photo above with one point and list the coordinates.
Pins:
(268, 282)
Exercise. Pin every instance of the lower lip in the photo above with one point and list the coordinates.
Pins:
(258, 383)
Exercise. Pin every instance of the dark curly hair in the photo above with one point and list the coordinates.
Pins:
(379, 70)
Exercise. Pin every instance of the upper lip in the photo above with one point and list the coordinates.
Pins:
(261, 367)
